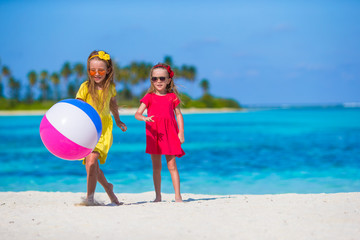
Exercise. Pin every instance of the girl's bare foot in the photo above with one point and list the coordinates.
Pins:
(178, 198)
(157, 199)
(112, 196)
(90, 201)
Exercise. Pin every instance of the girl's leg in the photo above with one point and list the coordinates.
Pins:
(156, 161)
(92, 169)
(171, 163)
(108, 187)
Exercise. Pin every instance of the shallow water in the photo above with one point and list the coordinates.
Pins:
(301, 150)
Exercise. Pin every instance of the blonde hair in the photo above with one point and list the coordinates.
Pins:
(171, 87)
(106, 83)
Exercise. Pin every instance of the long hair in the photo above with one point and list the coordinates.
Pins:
(171, 87)
(106, 83)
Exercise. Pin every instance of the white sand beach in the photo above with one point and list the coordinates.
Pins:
(55, 215)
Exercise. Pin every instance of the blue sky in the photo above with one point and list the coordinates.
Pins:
(257, 52)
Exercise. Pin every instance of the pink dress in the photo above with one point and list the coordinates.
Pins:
(162, 134)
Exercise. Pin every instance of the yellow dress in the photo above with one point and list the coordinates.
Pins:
(106, 138)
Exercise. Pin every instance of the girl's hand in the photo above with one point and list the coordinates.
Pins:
(181, 137)
(148, 119)
(121, 125)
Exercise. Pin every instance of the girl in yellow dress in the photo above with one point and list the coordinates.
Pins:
(99, 91)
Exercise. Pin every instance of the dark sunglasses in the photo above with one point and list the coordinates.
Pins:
(154, 79)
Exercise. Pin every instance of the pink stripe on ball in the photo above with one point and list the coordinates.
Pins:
(59, 145)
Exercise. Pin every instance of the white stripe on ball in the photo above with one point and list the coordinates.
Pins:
(73, 123)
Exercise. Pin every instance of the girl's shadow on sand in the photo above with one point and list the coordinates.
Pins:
(185, 201)
(203, 199)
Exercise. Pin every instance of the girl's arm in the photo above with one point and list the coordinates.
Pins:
(180, 120)
(115, 111)
(139, 114)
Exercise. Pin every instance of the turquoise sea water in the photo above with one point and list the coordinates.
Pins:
(300, 150)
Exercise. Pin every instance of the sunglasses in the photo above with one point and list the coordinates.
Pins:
(154, 79)
(100, 71)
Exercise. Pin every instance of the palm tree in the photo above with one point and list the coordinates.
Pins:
(123, 75)
(188, 72)
(1, 86)
(168, 61)
(204, 84)
(79, 70)
(5, 72)
(134, 70)
(65, 73)
(15, 88)
(139, 72)
(32, 76)
(55, 79)
(71, 91)
(192, 73)
(145, 70)
(117, 69)
(44, 86)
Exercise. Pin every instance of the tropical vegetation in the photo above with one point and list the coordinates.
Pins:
(45, 88)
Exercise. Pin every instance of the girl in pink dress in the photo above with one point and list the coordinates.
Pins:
(164, 135)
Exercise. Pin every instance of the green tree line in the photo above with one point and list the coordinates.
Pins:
(46, 88)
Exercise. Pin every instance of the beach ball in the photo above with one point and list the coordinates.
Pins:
(70, 129)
